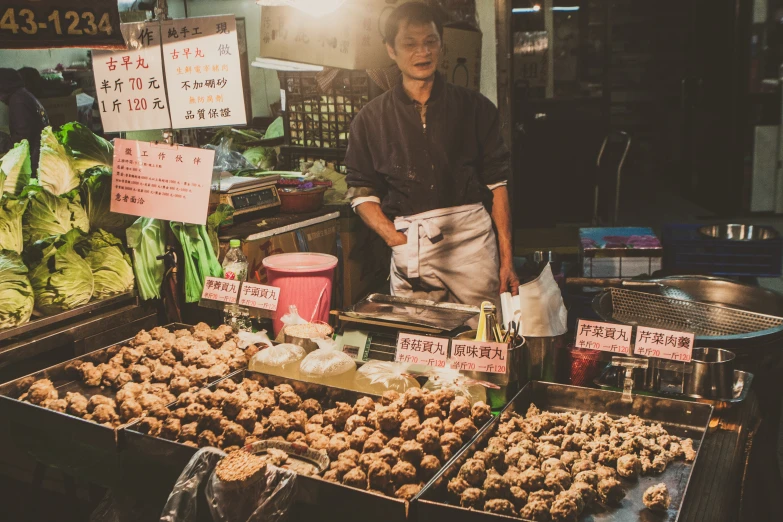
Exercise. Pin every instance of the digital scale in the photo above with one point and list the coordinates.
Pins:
(245, 194)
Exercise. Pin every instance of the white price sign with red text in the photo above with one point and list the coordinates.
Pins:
(663, 344)
(604, 337)
(223, 290)
(479, 356)
(421, 349)
(259, 296)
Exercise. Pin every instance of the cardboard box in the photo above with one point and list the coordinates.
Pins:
(460, 63)
(60, 110)
(619, 252)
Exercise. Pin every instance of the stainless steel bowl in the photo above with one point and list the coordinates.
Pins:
(738, 232)
(713, 374)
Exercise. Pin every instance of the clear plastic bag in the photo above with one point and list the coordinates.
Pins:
(328, 365)
(260, 339)
(292, 317)
(454, 380)
(265, 500)
(282, 360)
(379, 376)
(226, 159)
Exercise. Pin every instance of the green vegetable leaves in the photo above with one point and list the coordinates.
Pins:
(87, 149)
(55, 169)
(200, 260)
(147, 239)
(16, 293)
(49, 215)
(263, 158)
(111, 267)
(15, 169)
(96, 198)
(11, 212)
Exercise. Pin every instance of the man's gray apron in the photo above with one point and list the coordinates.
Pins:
(451, 256)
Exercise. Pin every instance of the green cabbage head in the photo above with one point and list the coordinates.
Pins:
(16, 293)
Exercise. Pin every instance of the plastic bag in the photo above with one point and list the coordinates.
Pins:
(282, 360)
(227, 159)
(292, 317)
(328, 365)
(379, 376)
(454, 380)
(266, 500)
(248, 338)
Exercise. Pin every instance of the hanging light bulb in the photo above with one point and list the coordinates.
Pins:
(314, 8)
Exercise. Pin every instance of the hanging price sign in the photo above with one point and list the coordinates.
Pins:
(259, 296)
(421, 349)
(604, 337)
(479, 356)
(223, 290)
(663, 344)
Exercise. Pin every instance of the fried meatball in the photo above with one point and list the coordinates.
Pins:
(91, 376)
(527, 461)
(355, 478)
(388, 397)
(149, 425)
(140, 373)
(234, 434)
(429, 440)
(495, 486)
(517, 496)
(432, 411)
(388, 419)
(457, 485)
(154, 349)
(97, 400)
(143, 337)
(611, 491)
(389, 456)
(451, 440)
(472, 498)
(379, 475)
(219, 370)
(410, 428)
(480, 412)
(499, 506)
(403, 473)
(350, 455)
(207, 438)
(199, 377)
(318, 441)
(433, 423)
(310, 407)
(473, 472)
(496, 458)
(551, 465)
(59, 405)
(162, 373)
(195, 411)
(557, 480)
(564, 510)
(536, 510)
(130, 409)
(130, 390)
(395, 443)
(581, 465)
(289, 401)
(443, 398)
(586, 491)
(542, 495)
(575, 497)
(604, 472)
(589, 477)
(408, 491)
(247, 419)
(170, 429)
(409, 413)
(411, 451)
(428, 467)
(337, 445)
(189, 431)
(104, 413)
(629, 466)
(364, 406)
(547, 451)
(234, 403)
(413, 398)
(77, 404)
(459, 409)
(532, 479)
(656, 498)
(354, 422)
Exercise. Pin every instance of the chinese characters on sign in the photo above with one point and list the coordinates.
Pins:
(420, 349)
(223, 290)
(161, 181)
(259, 296)
(201, 56)
(130, 83)
(479, 356)
(605, 337)
(663, 344)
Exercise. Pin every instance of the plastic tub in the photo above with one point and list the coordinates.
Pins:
(304, 280)
(301, 201)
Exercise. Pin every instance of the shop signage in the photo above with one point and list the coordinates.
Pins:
(663, 344)
(223, 290)
(259, 296)
(422, 349)
(479, 356)
(130, 83)
(203, 72)
(604, 337)
(47, 24)
(161, 181)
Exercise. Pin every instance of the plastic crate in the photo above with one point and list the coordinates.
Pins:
(317, 117)
(292, 157)
(686, 251)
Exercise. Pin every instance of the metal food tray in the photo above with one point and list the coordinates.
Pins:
(611, 379)
(82, 448)
(684, 419)
(155, 464)
(419, 312)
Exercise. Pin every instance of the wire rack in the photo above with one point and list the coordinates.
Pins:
(655, 311)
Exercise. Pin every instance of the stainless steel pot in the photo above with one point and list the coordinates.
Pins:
(713, 374)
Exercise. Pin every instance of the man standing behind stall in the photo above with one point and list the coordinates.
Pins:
(26, 116)
(427, 171)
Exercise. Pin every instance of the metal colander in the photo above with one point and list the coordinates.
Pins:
(657, 311)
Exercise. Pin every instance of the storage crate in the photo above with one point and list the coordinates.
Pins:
(321, 117)
(292, 157)
(686, 251)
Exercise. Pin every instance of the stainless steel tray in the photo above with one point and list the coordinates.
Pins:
(681, 418)
(419, 312)
(611, 379)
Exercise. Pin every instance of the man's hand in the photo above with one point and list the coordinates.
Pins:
(397, 240)
(509, 282)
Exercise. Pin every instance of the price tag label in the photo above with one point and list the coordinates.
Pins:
(479, 356)
(421, 349)
(259, 296)
(604, 337)
(663, 344)
(218, 289)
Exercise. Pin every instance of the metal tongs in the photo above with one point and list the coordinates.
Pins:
(512, 334)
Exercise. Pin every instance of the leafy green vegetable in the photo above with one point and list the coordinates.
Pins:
(96, 195)
(275, 129)
(15, 169)
(86, 149)
(200, 260)
(55, 169)
(147, 239)
(264, 158)
(11, 212)
(49, 215)
(61, 279)
(111, 267)
(16, 293)
(221, 216)
(238, 137)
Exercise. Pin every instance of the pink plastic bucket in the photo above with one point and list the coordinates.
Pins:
(304, 280)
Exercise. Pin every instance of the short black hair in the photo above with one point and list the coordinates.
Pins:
(412, 12)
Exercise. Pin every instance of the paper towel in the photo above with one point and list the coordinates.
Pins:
(540, 302)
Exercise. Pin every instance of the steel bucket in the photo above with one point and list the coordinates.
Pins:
(541, 358)
(505, 385)
(713, 374)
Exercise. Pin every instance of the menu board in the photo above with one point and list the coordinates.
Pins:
(421, 349)
(201, 56)
(604, 337)
(161, 181)
(479, 356)
(130, 83)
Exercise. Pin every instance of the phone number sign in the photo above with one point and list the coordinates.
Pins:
(46, 24)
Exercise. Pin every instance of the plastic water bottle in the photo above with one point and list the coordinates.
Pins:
(235, 268)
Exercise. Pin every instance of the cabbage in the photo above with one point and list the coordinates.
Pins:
(221, 216)
(49, 215)
(55, 170)
(61, 279)
(263, 158)
(16, 293)
(111, 267)
(147, 239)
(15, 169)
(86, 149)
(11, 211)
(275, 129)
(96, 195)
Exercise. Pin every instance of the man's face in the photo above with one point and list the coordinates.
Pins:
(416, 50)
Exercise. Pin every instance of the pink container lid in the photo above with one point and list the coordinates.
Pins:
(300, 262)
